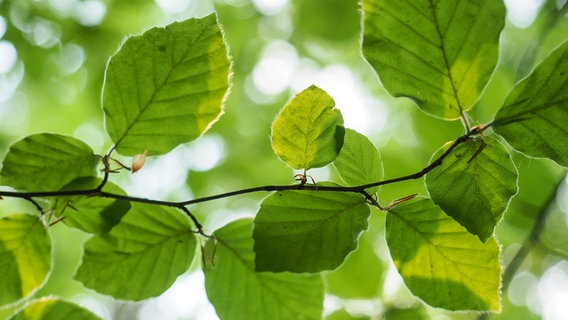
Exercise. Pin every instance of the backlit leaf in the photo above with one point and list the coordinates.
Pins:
(535, 113)
(90, 214)
(302, 231)
(308, 132)
(360, 275)
(166, 87)
(359, 161)
(47, 162)
(438, 53)
(25, 256)
(238, 292)
(53, 309)
(440, 261)
(142, 256)
(474, 184)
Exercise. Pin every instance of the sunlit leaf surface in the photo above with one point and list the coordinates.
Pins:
(47, 162)
(474, 184)
(440, 261)
(359, 161)
(534, 116)
(53, 309)
(140, 257)
(238, 292)
(308, 132)
(166, 86)
(439, 53)
(25, 256)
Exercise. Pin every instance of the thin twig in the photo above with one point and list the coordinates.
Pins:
(97, 192)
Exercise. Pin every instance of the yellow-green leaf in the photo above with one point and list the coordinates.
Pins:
(308, 132)
(439, 53)
(440, 261)
(166, 86)
(25, 256)
(53, 309)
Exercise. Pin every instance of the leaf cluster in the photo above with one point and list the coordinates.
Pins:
(167, 87)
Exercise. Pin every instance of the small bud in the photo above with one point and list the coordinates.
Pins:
(138, 161)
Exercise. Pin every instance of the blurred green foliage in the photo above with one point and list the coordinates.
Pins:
(55, 86)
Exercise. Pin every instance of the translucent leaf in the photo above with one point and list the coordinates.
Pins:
(303, 231)
(53, 309)
(47, 162)
(359, 161)
(90, 214)
(474, 184)
(25, 256)
(166, 86)
(438, 53)
(308, 132)
(440, 261)
(360, 275)
(238, 292)
(140, 257)
(535, 113)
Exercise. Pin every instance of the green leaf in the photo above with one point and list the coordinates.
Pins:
(438, 53)
(360, 275)
(166, 87)
(140, 257)
(359, 161)
(90, 214)
(25, 256)
(414, 313)
(441, 262)
(308, 132)
(535, 113)
(303, 231)
(238, 292)
(47, 162)
(53, 309)
(474, 184)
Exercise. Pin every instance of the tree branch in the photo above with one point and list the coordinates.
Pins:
(98, 192)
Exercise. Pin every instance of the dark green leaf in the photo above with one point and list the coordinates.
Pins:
(25, 256)
(141, 256)
(414, 313)
(360, 275)
(302, 231)
(534, 115)
(47, 162)
(90, 214)
(439, 53)
(440, 261)
(474, 184)
(308, 132)
(359, 161)
(238, 292)
(53, 309)
(166, 87)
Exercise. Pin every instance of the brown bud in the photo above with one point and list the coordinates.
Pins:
(138, 161)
